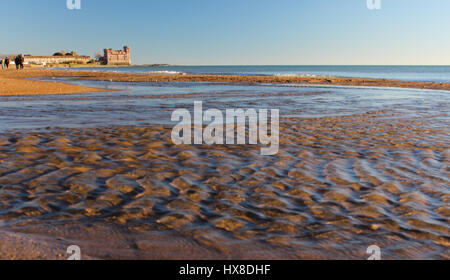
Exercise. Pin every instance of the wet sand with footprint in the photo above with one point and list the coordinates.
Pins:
(340, 183)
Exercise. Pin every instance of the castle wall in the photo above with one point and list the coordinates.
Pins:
(55, 59)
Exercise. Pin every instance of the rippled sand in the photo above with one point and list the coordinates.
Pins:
(338, 185)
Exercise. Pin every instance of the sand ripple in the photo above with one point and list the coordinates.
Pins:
(338, 185)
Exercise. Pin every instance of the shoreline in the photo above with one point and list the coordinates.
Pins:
(18, 82)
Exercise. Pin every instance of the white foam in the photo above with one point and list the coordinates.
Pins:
(166, 72)
(295, 75)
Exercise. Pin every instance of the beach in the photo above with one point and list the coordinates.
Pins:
(13, 83)
(348, 174)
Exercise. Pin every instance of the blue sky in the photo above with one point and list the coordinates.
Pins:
(239, 32)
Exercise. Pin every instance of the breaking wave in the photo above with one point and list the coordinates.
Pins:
(295, 75)
(166, 72)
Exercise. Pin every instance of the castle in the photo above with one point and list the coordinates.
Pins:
(110, 57)
(117, 57)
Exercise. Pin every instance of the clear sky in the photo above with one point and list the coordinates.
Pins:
(240, 32)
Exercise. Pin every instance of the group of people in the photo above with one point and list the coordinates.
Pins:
(5, 63)
(19, 61)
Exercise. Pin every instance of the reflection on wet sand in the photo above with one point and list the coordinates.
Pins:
(338, 185)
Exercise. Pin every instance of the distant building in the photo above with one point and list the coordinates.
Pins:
(43, 60)
(117, 57)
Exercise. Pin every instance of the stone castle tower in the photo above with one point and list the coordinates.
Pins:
(117, 57)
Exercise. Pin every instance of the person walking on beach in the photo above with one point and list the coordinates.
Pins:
(22, 61)
(3, 63)
(19, 62)
(7, 62)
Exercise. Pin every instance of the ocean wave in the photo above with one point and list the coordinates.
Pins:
(166, 72)
(296, 75)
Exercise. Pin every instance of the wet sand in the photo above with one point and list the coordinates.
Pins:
(336, 187)
(12, 81)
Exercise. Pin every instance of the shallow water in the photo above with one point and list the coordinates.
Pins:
(356, 167)
(150, 103)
